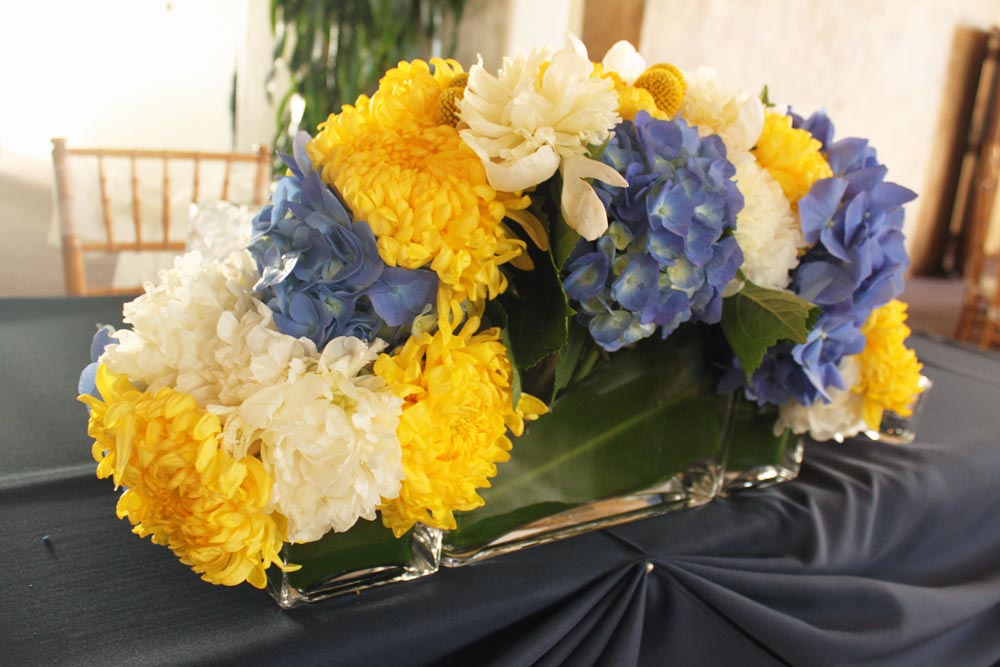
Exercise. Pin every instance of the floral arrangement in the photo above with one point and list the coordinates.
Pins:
(375, 352)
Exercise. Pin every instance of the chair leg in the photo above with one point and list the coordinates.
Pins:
(74, 275)
(963, 331)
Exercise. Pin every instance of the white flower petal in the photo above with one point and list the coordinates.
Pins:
(327, 437)
(520, 126)
(716, 108)
(767, 229)
(523, 173)
(581, 207)
(623, 59)
(840, 418)
(576, 44)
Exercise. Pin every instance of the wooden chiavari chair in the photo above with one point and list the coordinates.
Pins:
(75, 248)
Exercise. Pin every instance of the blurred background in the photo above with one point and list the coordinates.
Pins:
(916, 77)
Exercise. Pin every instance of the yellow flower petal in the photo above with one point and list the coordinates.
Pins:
(453, 430)
(792, 156)
(890, 372)
(182, 488)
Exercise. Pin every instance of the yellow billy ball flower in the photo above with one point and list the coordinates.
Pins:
(457, 409)
(422, 190)
(631, 100)
(666, 85)
(890, 372)
(448, 100)
(181, 488)
(791, 155)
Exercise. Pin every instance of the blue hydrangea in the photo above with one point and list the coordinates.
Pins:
(667, 254)
(88, 376)
(321, 273)
(856, 263)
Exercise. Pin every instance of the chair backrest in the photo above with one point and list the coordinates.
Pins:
(979, 318)
(75, 247)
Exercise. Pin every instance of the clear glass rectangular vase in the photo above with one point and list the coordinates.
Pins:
(640, 437)
(365, 556)
(755, 457)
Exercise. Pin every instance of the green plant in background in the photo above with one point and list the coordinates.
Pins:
(336, 50)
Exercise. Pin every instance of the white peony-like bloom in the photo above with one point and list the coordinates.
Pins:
(250, 352)
(625, 61)
(840, 418)
(172, 341)
(201, 331)
(767, 229)
(327, 436)
(734, 114)
(539, 110)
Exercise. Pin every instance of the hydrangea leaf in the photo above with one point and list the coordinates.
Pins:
(755, 318)
(537, 311)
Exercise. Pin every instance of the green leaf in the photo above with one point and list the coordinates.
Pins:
(752, 442)
(569, 357)
(765, 98)
(756, 318)
(367, 544)
(537, 311)
(644, 417)
(562, 241)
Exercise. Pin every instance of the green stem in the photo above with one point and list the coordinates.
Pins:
(585, 367)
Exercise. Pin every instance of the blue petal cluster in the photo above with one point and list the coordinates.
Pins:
(854, 223)
(320, 270)
(665, 258)
(88, 376)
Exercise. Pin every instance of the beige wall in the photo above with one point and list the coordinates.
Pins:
(125, 73)
(878, 67)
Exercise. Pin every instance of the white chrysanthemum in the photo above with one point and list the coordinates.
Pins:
(767, 229)
(524, 122)
(625, 61)
(734, 114)
(201, 332)
(841, 418)
(521, 123)
(327, 436)
(172, 339)
(250, 352)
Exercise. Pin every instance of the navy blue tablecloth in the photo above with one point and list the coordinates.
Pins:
(876, 555)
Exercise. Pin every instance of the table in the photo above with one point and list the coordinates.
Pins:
(876, 555)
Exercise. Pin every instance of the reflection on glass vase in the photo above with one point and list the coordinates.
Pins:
(641, 436)
(365, 556)
(756, 457)
(897, 429)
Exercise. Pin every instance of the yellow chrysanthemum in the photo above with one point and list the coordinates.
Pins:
(791, 155)
(181, 488)
(890, 373)
(631, 100)
(402, 168)
(457, 408)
